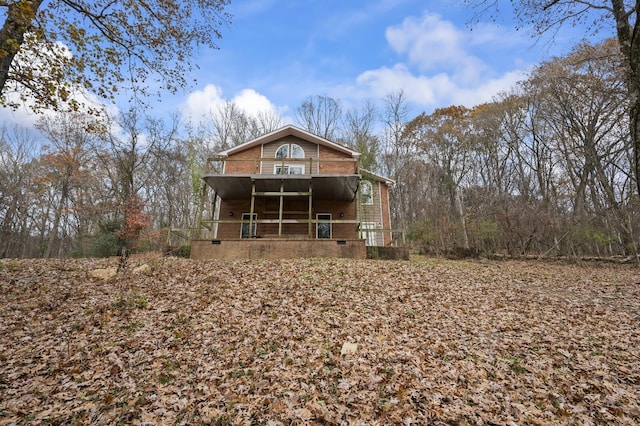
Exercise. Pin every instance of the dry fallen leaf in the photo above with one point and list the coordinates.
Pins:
(245, 342)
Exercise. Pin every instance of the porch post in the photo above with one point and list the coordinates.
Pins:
(310, 210)
(280, 211)
(358, 201)
(203, 195)
(214, 225)
(253, 203)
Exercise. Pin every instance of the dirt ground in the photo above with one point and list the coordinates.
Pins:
(176, 341)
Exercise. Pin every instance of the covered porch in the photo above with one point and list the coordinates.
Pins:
(290, 207)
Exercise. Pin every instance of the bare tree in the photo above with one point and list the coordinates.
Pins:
(320, 115)
(17, 152)
(620, 17)
(359, 133)
(396, 155)
(583, 95)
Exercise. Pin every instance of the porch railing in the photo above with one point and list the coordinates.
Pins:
(266, 165)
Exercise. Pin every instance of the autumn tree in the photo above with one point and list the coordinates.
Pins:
(618, 16)
(47, 49)
(70, 137)
(135, 221)
(583, 95)
(443, 138)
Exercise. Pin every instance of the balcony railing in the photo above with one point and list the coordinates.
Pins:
(267, 165)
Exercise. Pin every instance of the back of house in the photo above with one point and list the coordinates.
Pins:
(290, 193)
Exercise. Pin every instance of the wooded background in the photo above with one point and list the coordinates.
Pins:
(545, 169)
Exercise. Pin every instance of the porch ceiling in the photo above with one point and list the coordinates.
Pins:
(324, 187)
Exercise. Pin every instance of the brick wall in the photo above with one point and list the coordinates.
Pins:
(278, 249)
(335, 167)
(244, 162)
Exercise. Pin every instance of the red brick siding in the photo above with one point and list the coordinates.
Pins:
(240, 163)
(335, 167)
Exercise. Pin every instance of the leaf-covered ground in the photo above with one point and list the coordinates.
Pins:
(257, 342)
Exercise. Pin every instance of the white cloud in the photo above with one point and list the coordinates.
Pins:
(201, 103)
(439, 67)
(428, 42)
(252, 102)
(419, 89)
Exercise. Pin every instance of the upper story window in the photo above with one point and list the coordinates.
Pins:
(288, 169)
(366, 192)
(290, 151)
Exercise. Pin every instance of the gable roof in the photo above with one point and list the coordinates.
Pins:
(373, 176)
(289, 130)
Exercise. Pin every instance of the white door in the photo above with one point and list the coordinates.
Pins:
(368, 230)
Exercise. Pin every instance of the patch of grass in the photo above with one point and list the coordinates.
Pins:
(515, 366)
(166, 375)
(165, 378)
(131, 299)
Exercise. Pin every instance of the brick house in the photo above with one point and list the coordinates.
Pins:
(290, 193)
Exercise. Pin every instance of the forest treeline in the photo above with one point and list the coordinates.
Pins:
(545, 169)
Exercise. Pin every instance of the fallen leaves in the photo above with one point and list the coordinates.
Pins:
(304, 341)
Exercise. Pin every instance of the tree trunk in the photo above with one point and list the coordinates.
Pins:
(20, 15)
(629, 39)
(56, 220)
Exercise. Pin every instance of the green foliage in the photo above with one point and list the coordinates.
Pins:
(369, 148)
(485, 234)
(587, 233)
(103, 243)
(184, 251)
(487, 230)
(178, 251)
(422, 233)
(131, 299)
(372, 252)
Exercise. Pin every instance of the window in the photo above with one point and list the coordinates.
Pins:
(288, 170)
(296, 151)
(323, 227)
(283, 152)
(366, 193)
(244, 228)
(290, 151)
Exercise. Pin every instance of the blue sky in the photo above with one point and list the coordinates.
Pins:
(276, 53)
